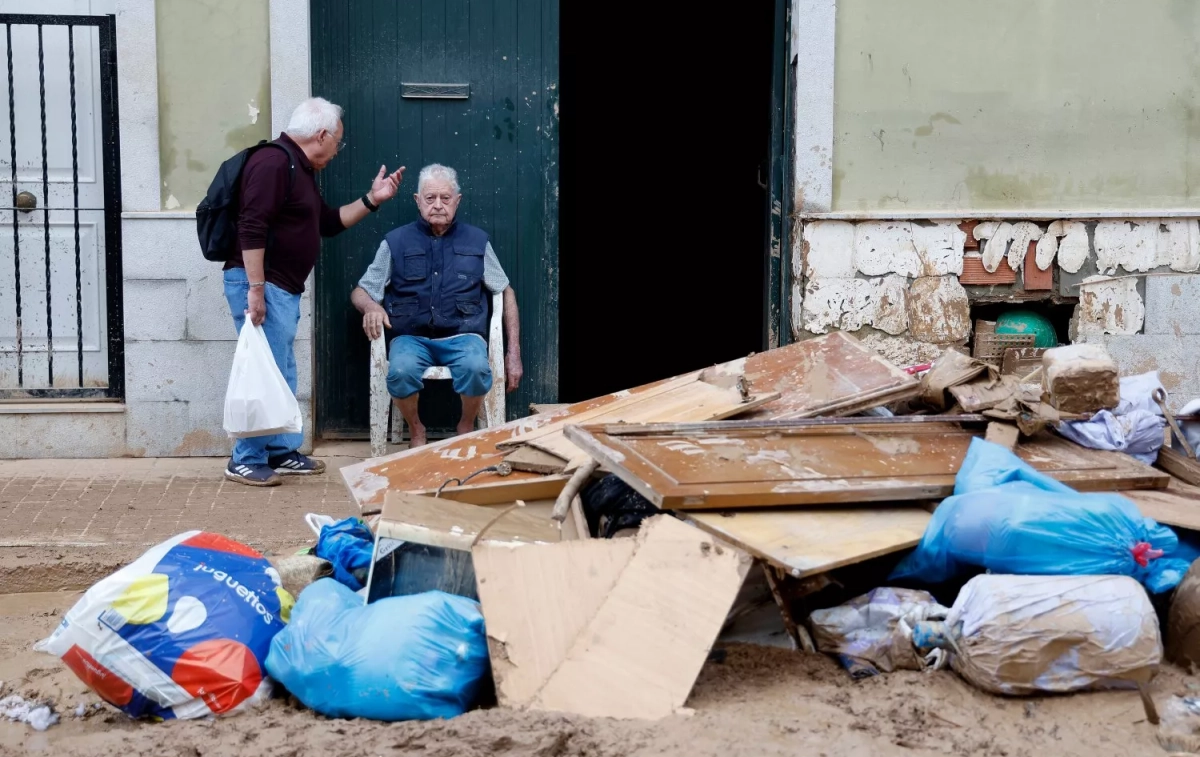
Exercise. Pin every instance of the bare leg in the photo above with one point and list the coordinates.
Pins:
(470, 410)
(416, 430)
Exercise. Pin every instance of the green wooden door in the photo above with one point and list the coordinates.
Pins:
(502, 140)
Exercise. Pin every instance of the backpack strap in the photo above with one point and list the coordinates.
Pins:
(291, 168)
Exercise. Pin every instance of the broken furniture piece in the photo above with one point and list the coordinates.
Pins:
(831, 375)
(752, 464)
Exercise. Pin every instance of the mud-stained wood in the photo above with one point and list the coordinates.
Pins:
(532, 460)
(811, 541)
(747, 467)
(623, 625)
(455, 525)
(831, 375)
(1177, 505)
(1179, 465)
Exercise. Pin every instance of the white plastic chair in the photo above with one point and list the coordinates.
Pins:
(384, 415)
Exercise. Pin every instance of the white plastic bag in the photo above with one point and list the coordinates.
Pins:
(258, 401)
(1034, 634)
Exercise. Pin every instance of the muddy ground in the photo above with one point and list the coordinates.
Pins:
(759, 701)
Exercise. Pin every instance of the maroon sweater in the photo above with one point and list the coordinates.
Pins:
(296, 226)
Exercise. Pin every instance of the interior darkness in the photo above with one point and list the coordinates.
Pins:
(665, 131)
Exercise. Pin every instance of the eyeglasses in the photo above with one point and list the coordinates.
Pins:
(340, 145)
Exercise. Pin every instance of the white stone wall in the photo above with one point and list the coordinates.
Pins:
(896, 284)
(179, 337)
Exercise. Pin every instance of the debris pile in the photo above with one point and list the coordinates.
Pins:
(588, 558)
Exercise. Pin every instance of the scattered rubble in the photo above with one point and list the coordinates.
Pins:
(606, 543)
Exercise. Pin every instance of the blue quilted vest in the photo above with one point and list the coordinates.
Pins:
(437, 288)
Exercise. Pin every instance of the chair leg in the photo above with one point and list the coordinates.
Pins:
(379, 399)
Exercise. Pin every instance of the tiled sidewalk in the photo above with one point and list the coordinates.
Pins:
(137, 502)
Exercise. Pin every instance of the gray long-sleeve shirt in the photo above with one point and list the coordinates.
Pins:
(374, 282)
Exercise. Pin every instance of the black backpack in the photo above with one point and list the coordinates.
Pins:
(217, 213)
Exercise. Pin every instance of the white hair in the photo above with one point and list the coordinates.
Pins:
(313, 116)
(438, 171)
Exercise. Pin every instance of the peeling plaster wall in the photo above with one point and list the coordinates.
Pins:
(208, 112)
(896, 285)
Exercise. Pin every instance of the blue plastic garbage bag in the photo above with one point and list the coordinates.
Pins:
(1008, 518)
(416, 657)
(348, 545)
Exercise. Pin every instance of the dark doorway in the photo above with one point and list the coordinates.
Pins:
(665, 135)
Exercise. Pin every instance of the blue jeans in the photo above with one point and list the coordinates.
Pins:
(465, 355)
(283, 316)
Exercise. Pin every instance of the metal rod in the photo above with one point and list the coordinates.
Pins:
(75, 189)
(12, 139)
(111, 129)
(46, 216)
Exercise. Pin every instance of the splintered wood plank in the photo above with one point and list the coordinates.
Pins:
(1177, 505)
(810, 541)
(695, 402)
(426, 468)
(1179, 465)
(831, 375)
(501, 490)
(454, 525)
(533, 460)
(775, 466)
(623, 625)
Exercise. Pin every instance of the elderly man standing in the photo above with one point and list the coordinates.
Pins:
(428, 291)
(281, 220)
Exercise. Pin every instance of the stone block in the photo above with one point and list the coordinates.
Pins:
(1131, 245)
(187, 429)
(153, 310)
(851, 304)
(177, 371)
(938, 310)
(1108, 306)
(939, 247)
(828, 249)
(163, 248)
(882, 247)
(1173, 305)
(208, 317)
(1081, 378)
(62, 435)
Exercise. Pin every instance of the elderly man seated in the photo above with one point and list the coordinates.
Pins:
(428, 291)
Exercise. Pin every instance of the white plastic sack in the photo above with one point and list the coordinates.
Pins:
(1138, 433)
(1137, 393)
(258, 401)
(1032, 634)
(875, 630)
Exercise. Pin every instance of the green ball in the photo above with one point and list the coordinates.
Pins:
(1028, 322)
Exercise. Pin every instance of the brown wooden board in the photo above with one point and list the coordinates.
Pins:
(606, 627)
(829, 375)
(774, 466)
(811, 541)
(532, 460)
(1179, 465)
(1177, 505)
(455, 525)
